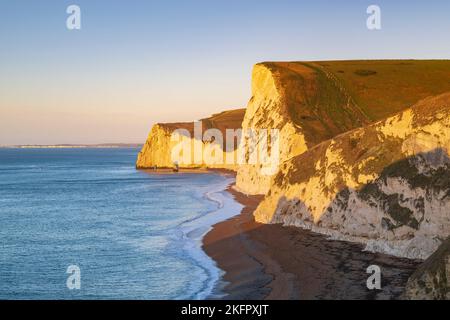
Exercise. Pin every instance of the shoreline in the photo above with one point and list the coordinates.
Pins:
(271, 261)
(194, 230)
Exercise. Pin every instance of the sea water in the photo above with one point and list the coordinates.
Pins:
(132, 234)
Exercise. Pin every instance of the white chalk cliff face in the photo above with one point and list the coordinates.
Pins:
(164, 147)
(155, 151)
(287, 97)
(265, 111)
(386, 185)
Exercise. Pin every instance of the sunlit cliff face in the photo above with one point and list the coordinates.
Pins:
(212, 142)
(387, 181)
(340, 171)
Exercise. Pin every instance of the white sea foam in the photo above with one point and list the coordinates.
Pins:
(194, 230)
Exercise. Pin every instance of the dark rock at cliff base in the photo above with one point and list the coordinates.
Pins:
(431, 281)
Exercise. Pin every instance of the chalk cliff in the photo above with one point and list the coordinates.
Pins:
(356, 161)
(289, 97)
(159, 149)
(386, 185)
(310, 102)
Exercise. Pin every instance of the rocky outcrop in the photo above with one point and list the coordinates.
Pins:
(431, 281)
(163, 140)
(386, 185)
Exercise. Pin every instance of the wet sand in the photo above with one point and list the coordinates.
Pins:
(275, 262)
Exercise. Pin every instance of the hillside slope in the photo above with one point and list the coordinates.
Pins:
(386, 185)
(382, 88)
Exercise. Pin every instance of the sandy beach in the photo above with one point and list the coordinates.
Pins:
(275, 262)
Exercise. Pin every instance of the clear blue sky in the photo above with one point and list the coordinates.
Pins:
(135, 63)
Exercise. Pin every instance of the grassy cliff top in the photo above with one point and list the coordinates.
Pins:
(383, 87)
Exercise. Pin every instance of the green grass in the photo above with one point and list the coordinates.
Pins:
(327, 98)
(383, 87)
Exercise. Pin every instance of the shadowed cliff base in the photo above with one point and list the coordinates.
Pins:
(386, 185)
(431, 280)
(403, 212)
(275, 262)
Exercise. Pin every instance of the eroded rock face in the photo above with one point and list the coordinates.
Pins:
(431, 281)
(161, 143)
(156, 150)
(308, 102)
(289, 97)
(386, 185)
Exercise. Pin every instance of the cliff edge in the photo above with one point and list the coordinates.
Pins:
(158, 150)
(310, 102)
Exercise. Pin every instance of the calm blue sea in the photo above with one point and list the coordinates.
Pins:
(134, 235)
